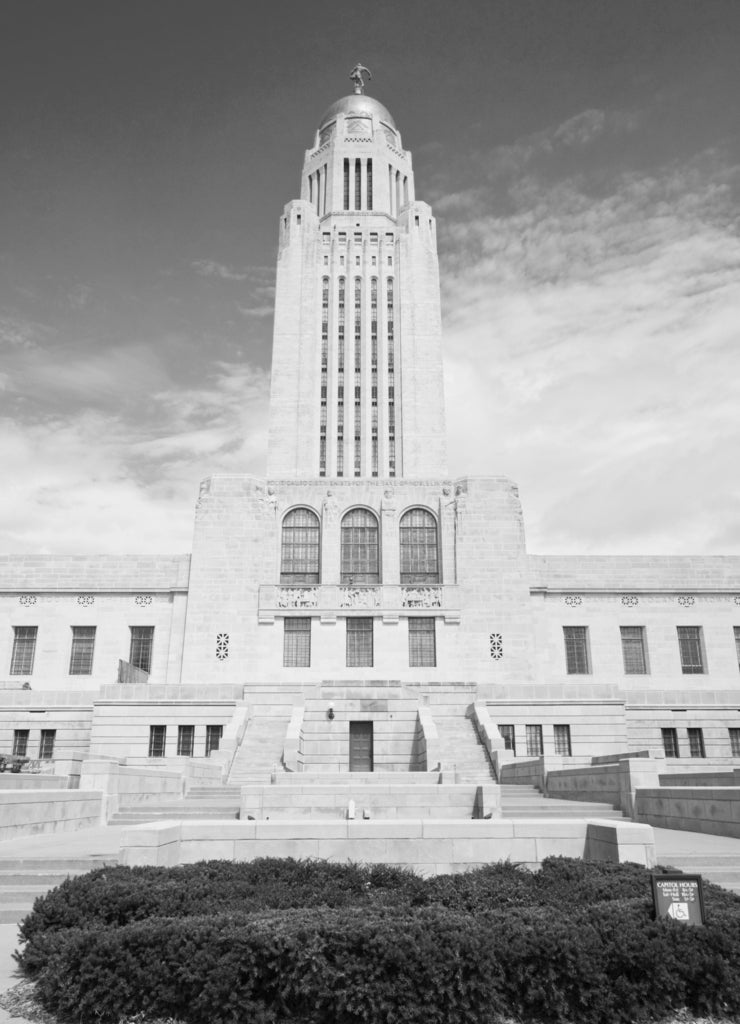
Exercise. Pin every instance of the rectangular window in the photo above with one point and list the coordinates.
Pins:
(213, 738)
(20, 742)
(140, 655)
(691, 648)
(157, 740)
(422, 643)
(359, 643)
(185, 740)
(562, 740)
(634, 652)
(696, 742)
(534, 740)
(46, 744)
(734, 742)
(577, 660)
(24, 650)
(670, 742)
(737, 645)
(297, 643)
(509, 737)
(83, 646)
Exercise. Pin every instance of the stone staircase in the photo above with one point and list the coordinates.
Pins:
(203, 802)
(721, 868)
(23, 879)
(460, 746)
(528, 802)
(261, 748)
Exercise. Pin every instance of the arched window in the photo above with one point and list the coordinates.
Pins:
(360, 547)
(419, 549)
(299, 561)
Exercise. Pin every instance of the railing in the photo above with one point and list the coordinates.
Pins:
(388, 599)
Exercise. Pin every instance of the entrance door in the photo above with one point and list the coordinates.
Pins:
(360, 746)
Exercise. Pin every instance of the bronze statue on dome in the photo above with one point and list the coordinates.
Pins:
(356, 77)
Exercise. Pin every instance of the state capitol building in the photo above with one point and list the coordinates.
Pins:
(363, 589)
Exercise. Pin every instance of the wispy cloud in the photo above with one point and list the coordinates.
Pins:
(592, 347)
(211, 268)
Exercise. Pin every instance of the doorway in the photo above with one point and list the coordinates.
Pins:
(360, 746)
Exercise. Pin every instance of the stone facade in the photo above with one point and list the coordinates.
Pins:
(572, 656)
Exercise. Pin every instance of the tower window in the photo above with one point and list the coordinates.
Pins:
(346, 185)
(369, 183)
(297, 643)
(360, 643)
(140, 653)
(422, 643)
(360, 547)
(577, 659)
(737, 644)
(634, 653)
(24, 650)
(696, 743)
(534, 740)
(562, 740)
(419, 550)
(691, 650)
(83, 646)
(670, 742)
(358, 184)
(157, 740)
(299, 560)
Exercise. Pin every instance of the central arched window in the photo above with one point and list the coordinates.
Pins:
(419, 547)
(360, 547)
(299, 559)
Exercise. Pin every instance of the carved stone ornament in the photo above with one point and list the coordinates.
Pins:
(297, 597)
(359, 597)
(573, 600)
(27, 599)
(421, 597)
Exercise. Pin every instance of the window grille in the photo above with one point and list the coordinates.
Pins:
(299, 560)
(691, 650)
(369, 183)
(214, 734)
(20, 742)
(670, 742)
(737, 644)
(534, 740)
(422, 643)
(359, 643)
(508, 735)
(185, 740)
(734, 742)
(696, 743)
(157, 740)
(576, 650)
(142, 640)
(222, 646)
(562, 740)
(419, 548)
(633, 650)
(297, 642)
(83, 646)
(24, 650)
(46, 744)
(346, 185)
(358, 184)
(360, 562)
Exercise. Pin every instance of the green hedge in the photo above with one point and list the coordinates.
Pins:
(283, 940)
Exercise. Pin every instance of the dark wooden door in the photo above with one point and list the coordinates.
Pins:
(360, 746)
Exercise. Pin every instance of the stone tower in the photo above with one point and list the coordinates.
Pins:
(357, 387)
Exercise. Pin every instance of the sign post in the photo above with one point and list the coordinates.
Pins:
(679, 897)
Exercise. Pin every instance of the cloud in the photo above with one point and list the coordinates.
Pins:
(591, 349)
(210, 268)
(22, 333)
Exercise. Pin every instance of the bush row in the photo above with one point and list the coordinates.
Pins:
(599, 965)
(120, 895)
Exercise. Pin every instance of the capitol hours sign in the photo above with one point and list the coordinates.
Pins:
(679, 897)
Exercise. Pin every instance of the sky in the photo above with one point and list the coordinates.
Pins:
(582, 158)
